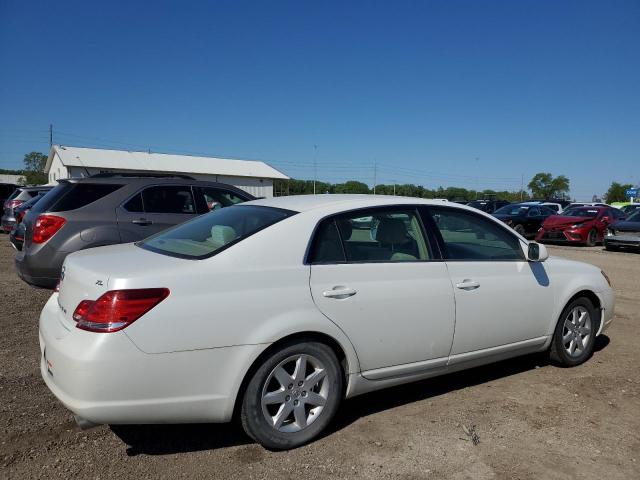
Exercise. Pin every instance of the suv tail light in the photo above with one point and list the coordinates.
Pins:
(13, 203)
(46, 226)
(117, 309)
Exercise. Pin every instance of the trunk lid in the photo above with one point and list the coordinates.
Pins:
(87, 274)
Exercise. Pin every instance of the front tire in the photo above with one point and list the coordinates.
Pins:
(292, 396)
(592, 238)
(575, 334)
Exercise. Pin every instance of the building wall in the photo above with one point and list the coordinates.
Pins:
(258, 187)
(8, 178)
(57, 170)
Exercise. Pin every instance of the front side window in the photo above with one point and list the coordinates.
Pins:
(467, 236)
(208, 234)
(370, 236)
(216, 198)
(168, 199)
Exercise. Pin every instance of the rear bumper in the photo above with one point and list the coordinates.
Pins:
(42, 268)
(105, 378)
(622, 241)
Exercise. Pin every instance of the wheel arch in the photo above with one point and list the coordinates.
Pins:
(589, 295)
(303, 336)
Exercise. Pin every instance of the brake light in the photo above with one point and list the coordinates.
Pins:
(46, 226)
(117, 309)
(13, 203)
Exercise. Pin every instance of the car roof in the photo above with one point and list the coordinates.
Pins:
(301, 203)
(150, 180)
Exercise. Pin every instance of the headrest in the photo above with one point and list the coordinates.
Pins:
(346, 229)
(391, 230)
(222, 234)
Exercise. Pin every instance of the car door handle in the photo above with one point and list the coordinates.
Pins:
(467, 284)
(339, 293)
(142, 222)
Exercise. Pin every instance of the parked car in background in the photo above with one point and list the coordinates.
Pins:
(19, 196)
(624, 233)
(108, 209)
(17, 233)
(587, 204)
(180, 327)
(524, 218)
(488, 206)
(556, 207)
(6, 190)
(583, 225)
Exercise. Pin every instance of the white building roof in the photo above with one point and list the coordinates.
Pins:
(163, 162)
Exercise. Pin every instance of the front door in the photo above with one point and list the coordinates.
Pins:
(372, 274)
(501, 298)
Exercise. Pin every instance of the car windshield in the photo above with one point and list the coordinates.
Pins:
(208, 234)
(512, 210)
(584, 212)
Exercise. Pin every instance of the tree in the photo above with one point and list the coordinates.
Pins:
(34, 164)
(544, 186)
(616, 192)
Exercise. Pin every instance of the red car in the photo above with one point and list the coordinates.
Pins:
(584, 225)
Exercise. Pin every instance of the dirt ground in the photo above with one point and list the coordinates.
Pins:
(534, 420)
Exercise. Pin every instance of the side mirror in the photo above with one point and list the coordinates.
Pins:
(537, 252)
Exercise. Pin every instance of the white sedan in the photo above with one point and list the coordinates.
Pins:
(275, 310)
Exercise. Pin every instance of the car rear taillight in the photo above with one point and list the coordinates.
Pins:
(117, 309)
(46, 226)
(13, 203)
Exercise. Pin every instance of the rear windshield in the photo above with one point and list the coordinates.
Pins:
(512, 210)
(208, 234)
(68, 196)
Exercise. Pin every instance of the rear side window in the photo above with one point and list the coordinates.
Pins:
(168, 199)
(134, 204)
(82, 194)
(208, 234)
(378, 235)
(215, 198)
(467, 236)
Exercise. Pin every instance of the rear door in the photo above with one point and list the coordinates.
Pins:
(153, 209)
(374, 275)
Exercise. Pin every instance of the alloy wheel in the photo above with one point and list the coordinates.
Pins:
(577, 331)
(295, 393)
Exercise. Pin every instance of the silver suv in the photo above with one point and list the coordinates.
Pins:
(109, 209)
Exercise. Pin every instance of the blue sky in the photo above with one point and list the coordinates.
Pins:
(464, 93)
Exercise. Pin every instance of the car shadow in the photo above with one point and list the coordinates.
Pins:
(171, 439)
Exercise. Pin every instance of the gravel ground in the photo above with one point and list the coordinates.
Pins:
(534, 420)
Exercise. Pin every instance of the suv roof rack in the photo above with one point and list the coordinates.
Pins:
(141, 175)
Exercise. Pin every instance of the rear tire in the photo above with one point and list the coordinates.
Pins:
(292, 396)
(575, 334)
(592, 238)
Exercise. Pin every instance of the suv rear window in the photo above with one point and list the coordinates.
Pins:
(71, 196)
(213, 232)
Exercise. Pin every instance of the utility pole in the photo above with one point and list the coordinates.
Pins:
(522, 187)
(50, 135)
(315, 167)
(375, 174)
(394, 188)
